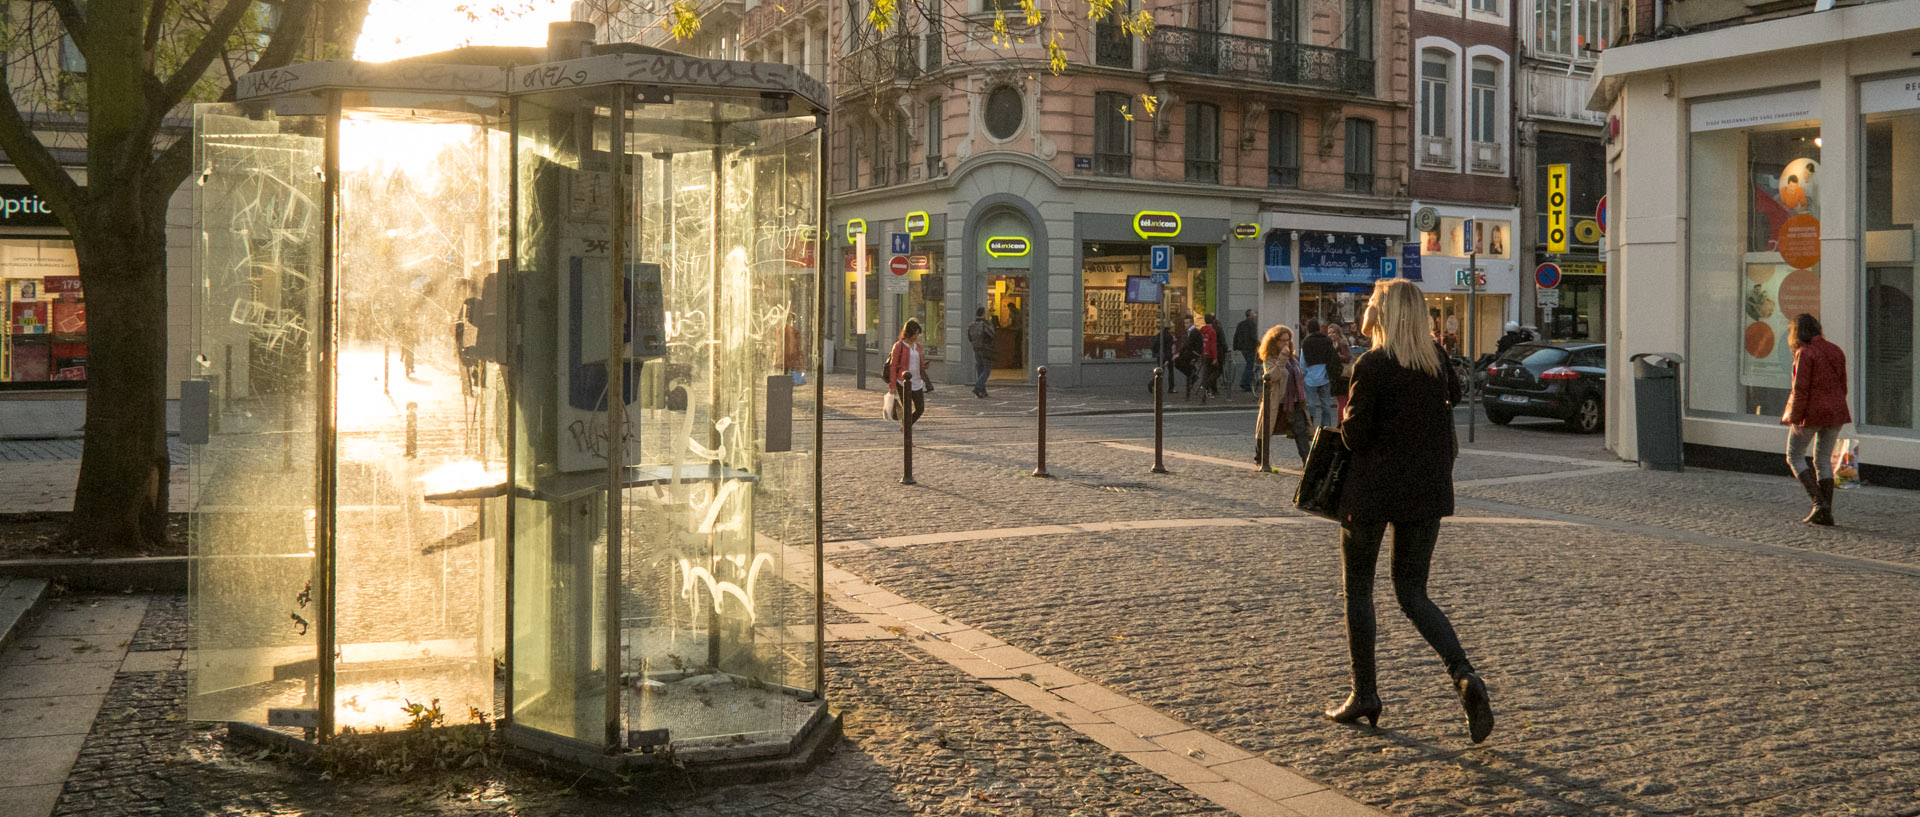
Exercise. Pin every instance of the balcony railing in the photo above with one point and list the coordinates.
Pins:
(1226, 55)
(895, 57)
(772, 14)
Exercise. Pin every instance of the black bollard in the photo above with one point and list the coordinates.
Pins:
(906, 433)
(1266, 429)
(413, 430)
(1041, 424)
(1158, 466)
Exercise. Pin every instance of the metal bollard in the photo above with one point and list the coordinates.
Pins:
(1158, 466)
(1266, 429)
(1041, 471)
(906, 433)
(413, 430)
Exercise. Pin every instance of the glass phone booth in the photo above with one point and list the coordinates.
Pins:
(511, 379)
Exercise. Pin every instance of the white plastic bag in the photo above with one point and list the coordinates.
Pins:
(890, 406)
(1846, 463)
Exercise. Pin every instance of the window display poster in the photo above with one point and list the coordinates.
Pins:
(28, 317)
(1772, 295)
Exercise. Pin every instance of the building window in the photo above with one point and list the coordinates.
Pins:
(1004, 112)
(1112, 135)
(1891, 211)
(1754, 213)
(1563, 27)
(1206, 15)
(1484, 110)
(1360, 28)
(1360, 156)
(1487, 6)
(936, 41)
(1123, 307)
(43, 326)
(1283, 149)
(1286, 21)
(935, 167)
(1112, 47)
(1435, 70)
(902, 149)
(1203, 142)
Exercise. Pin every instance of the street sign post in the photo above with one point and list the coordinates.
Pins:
(899, 243)
(1389, 267)
(896, 282)
(1547, 275)
(1160, 258)
(1162, 278)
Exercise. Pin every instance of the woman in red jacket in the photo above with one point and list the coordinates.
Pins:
(1816, 409)
(908, 360)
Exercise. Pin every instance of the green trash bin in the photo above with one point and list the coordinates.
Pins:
(1656, 404)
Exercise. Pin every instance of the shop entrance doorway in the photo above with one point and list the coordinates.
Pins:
(1007, 307)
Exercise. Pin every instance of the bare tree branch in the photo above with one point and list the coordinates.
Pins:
(215, 44)
(296, 22)
(74, 19)
(152, 43)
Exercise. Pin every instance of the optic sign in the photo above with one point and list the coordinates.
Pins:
(1556, 208)
(856, 227)
(1007, 246)
(1600, 215)
(1547, 275)
(20, 207)
(917, 222)
(1246, 231)
(1152, 224)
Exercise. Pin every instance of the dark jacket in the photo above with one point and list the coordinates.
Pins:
(1246, 337)
(1163, 346)
(1317, 350)
(1399, 425)
(1819, 396)
(1191, 347)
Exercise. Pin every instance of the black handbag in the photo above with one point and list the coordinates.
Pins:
(1324, 475)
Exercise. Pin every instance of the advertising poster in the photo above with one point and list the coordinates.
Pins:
(1771, 294)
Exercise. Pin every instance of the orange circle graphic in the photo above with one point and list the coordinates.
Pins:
(1759, 340)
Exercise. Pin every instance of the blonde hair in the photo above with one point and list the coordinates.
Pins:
(1275, 339)
(1398, 317)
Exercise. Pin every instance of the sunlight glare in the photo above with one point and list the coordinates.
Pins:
(396, 29)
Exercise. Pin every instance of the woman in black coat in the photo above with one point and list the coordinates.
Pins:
(1399, 426)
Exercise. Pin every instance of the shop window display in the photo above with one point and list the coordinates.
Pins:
(1755, 209)
(1123, 307)
(1890, 207)
(925, 299)
(43, 313)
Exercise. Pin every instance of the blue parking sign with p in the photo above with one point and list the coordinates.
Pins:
(901, 244)
(1389, 267)
(1161, 259)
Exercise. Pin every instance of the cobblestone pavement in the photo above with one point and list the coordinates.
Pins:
(1639, 664)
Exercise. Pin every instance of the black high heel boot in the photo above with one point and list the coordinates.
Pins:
(1357, 706)
(1473, 698)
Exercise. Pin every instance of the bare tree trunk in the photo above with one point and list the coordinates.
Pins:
(122, 501)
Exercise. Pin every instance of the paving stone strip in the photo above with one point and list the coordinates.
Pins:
(1227, 775)
(53, 681)
(851, 545)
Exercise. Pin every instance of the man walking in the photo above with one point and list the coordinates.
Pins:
(1246, 341)
(1318, 354)
(980, 337)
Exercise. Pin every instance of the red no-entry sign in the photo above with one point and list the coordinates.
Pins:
(898, 265)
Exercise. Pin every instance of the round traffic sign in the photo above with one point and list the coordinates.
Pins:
(1547, 275)
(1600, 215)
(898, 265)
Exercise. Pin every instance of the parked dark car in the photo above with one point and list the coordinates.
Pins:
(1565, 380)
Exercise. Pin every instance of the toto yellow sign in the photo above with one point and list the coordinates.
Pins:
(1556, 208)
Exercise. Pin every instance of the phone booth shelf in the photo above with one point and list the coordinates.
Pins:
(497, 404)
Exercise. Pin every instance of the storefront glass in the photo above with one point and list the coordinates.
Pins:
(1754, 211)
(1581, 314)
(1124, 308)
(1890, 206)
(925, 299)
(43, 323)
(1451, 319)
(1493, 238)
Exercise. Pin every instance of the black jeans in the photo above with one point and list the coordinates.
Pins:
(1412, 556)
(916, 405)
